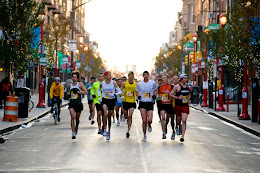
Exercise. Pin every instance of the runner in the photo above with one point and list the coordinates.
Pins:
(91, 104)
(181, 94)
(113, 113)
(77, 89)
(158, 100)
(94, 93)
(146, 96)
(175, 81)
(119, 101)
(166, 105)
(129, 100)
(108, 101)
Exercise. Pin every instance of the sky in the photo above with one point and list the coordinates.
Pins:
(131, 31)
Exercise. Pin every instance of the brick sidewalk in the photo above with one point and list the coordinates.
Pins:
(33, 114)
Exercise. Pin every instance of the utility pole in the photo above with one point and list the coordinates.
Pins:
(72, 30)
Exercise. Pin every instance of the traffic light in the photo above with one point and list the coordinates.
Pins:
(186, 59)
(191, 58)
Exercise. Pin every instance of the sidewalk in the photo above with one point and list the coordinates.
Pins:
(34, 114)
(232, 118)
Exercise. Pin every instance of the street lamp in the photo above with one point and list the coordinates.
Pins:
(223, 22)
(41, 85)
(194, 38)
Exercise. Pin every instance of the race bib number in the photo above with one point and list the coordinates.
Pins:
(130, 93)
(146, 95)
(185, 99)
(74, 96)
(107, 95)
(165, 97)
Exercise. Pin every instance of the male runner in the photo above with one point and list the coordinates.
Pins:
(166, 104)
(182, 101)
(94, 94)
(119, 101)
(108, 87)
(91, 104)
(158, 100)
(146, 96)
(77, 89)
(129, 100)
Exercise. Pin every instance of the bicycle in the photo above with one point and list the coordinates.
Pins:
(198, 100)
(56, 111)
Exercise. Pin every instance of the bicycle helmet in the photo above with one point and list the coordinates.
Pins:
(57, 78)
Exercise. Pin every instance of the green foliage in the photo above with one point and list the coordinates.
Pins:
(17, 20)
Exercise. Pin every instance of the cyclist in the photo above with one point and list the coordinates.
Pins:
(90, 100)
(77, 89)
(56, 94)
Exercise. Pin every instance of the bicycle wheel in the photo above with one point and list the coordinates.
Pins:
(196, 101)
(55, 114)
(31, 105)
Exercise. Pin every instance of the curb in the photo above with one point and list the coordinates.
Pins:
(244, 127)
(11, 128)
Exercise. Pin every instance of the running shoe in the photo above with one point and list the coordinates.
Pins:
(173, 136)
(127, 134)
(99, 131)
(164, 136)
(108, 135)
(149, 128)
(118, 123)
(89, 118)
(74, 135)
(58, 119)
(177, 131)
(114, 120)
(144, 139)
(182, 139)
(104, 133)
(92, 122)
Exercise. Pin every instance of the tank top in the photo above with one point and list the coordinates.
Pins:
(75, 97)
(185, 99)
(129, 92)
(108, 88)
(165, 98)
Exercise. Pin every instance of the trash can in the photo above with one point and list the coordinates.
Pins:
(23, 95)
(195, 93)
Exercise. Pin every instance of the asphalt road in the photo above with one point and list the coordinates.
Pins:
(210, 145)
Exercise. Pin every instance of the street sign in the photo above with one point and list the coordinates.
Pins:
(213, 27)
(72, 47)
(72, 41)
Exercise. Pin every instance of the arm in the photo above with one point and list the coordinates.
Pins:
(172, 94)
(92, 90)
(51, 92)
(119, 92)
(83, 89)
(68, 91)
(99, 90)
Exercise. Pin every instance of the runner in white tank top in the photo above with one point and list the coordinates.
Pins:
(108, 101)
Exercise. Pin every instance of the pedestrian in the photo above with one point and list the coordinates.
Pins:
(50, 82)
(76, 90)
(146, 96)
(181, 93)
(6, 89)
(108, 87)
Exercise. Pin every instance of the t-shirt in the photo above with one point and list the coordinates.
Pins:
(165, 98)
(88, 87)
(146, 90)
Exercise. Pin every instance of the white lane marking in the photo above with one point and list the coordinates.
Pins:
(206, 128)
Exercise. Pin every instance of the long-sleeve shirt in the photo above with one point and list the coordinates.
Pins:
(94, 90)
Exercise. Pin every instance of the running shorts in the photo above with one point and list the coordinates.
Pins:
(159, 105)
(118, 104)
(128, 105)
(76, 107)
(98, 107)
(109, 102)
(181, 109)
(148, 106)
(90, 102)
(167, 108)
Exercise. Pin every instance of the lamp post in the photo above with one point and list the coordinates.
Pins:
(223, 22)
(41, 89)
(194, 38)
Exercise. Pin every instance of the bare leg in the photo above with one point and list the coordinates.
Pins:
(144, 118)
(130, 117)
(110, 112)
(163, 123)
(72, 121)
(184, 118)
(105, 116)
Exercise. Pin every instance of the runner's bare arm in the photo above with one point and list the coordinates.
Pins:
(119, 92)
(172, 94)
(68, 92)
(83, 88)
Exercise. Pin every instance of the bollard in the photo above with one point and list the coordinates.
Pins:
(11, 109)
(227, 102)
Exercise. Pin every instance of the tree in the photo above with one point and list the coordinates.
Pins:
(17, 22)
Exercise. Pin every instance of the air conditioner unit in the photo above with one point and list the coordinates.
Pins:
(209, 15)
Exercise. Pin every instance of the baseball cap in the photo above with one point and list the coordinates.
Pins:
(130, 72)
(183, 76)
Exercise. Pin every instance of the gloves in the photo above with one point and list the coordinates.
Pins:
(93, 96)
(139, 97)
(154, 97)
(110, 94)
(100, 99)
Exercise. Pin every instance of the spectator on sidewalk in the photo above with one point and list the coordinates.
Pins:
(5, 88)
(50, 81)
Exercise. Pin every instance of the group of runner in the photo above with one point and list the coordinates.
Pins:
(109, 95)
